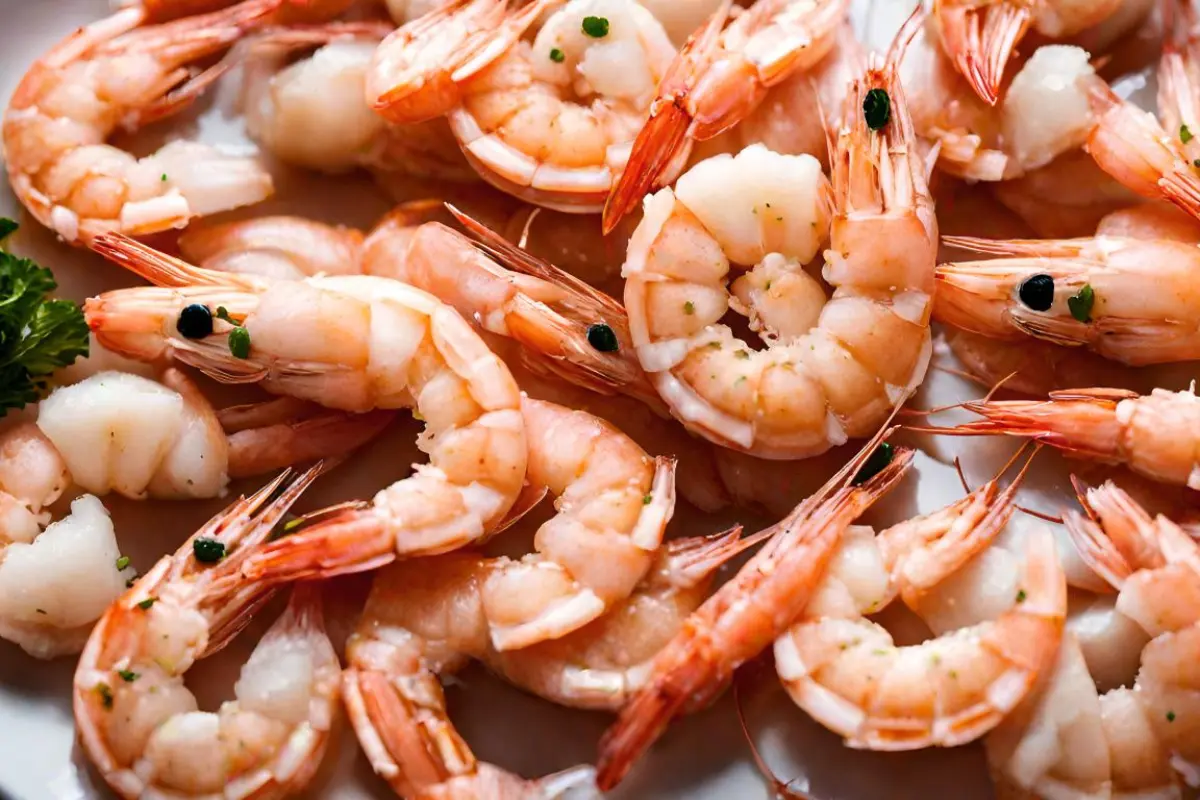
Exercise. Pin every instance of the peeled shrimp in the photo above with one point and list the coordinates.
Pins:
(614, 502)
(833, 368)
(54, 583)
(1155, 435)
(423, 620)
(350, 342)
(744, 616)
(850, 676)
(980, 37)
(717, 79)
(114, 74)
(1130, 300)
(140, 725)
(141, 438)
(311, 112)
(290, 248)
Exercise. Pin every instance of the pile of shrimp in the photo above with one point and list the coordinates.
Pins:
(695, 270)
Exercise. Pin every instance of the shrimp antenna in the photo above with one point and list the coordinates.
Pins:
(1081, 492)
(779, 789)
(523, 242)
(938, 409)
(907, 32)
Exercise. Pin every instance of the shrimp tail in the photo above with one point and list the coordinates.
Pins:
(1096, 549)
(350, 541)
(690, 672)
(690, 561)
(327, 435)
(981, 40)
(664, 140)
(161, 269)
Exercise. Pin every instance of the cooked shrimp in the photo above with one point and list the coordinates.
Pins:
(140, 438)
(826, 376)
(745, 615)
(717, 79)
(114, 74)
(290, 248)
(848, 674)
(54, 583)
(311, 112)
(140, 725)
(423, 619)
(293, 11)
(1032, 368)
(551, 121)
(1044, 114)
(1080, 292)
(1150, 221)
(351, 342)
(614, 504)
(1156, 435)
(980, 37)
(1069, 197)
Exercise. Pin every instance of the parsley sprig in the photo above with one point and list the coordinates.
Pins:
(37, 335)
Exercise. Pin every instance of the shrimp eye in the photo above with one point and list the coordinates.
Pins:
(601, 337)
(1037, 292)
(877, 109)
(195, 322)
(880, 457)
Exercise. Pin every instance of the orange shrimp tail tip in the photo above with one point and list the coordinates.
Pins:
(350, 542)
(981, 39)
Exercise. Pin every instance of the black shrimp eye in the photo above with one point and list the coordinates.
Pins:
(1037, 292)
(195, 322)
(602, 337)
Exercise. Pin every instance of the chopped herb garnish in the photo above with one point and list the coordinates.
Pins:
(1037, 292)
(877, 109)
(601, 337)
(689, 308)
(1185, 135)
(106, 695)
(647, 499)
(742, 354)
(239, 342)
(208, 551)
(37, 335)
(557, 56)
(875, 463)
(195, 321)
(1170, 716)
(149, 601)
(164, 177)
(129, 676)
(595, 27)
(1021, 596)
(122, 563)
(292, 524)
(1080, 305)
(223, 313)
(7, 228)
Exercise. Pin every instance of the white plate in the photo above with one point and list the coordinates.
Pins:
(705, 756)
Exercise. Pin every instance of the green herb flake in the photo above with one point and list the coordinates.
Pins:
(208, 551)
(1080, 305)
(875, 463)
(742, 354)
(37, 335)
(239, 342)
(223, 313)
(689, 308)
(877, 109)
(106, 695)
(129, 676)
(557, 56)
(7, 228)
(1170, 716)
(163, 178)
(1185, 135)
(647, 499)
(122, 563)
(1021, 596)
(595, 27)
(145, 604)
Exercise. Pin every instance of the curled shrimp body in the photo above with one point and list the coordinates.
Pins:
(114, 73)
(614, 502)
(826, 375)
(742, 617)
(717, 79)
(355, 343)
(551, 121)
(400, 649)
(1109, 275)
(847, 672)
(310, 112)
(138, 722)
(141, 438)
(291, 248)
(1155, 435)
